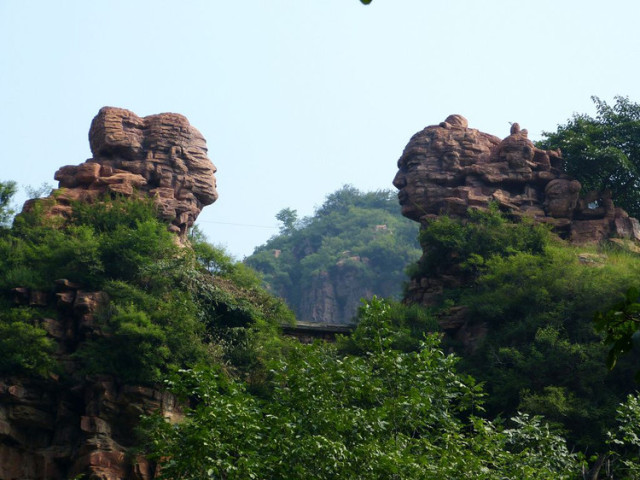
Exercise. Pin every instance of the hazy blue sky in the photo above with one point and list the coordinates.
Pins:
(298, 97)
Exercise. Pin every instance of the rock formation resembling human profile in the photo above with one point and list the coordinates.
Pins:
(161, 155)
(449, 168)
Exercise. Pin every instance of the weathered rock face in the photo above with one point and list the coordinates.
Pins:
(334, 297)
(54, 429)
(449, 168)
(160, 155)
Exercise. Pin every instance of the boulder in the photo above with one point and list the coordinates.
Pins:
(449, 168)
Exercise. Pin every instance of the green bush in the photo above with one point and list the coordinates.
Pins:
(449, 242)
(24, 344)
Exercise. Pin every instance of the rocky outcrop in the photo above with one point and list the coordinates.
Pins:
(162, 156)
(61, 427)
(449, 168)
(73, 425)
(334, 296)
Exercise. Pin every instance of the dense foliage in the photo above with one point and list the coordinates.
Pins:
(351, 229)
(603, 152)
(536, 296)
(385, 402)
(381, 414)
(620, 325)
(7, 190)
(463, 247)
(166, 310)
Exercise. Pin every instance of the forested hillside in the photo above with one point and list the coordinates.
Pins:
(534, 298)
(132, 348)
(356, 245)
(386, 403)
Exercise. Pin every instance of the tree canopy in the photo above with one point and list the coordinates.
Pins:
(603, 152)
(169, 307)
(7, 191)
(380, 414)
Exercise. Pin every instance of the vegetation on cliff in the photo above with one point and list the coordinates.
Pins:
(356, 245)
(384, 403)
(536, 296)
(164, 311)
(531, 397)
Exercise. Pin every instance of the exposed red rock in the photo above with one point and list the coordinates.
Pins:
(63, 427)
(53, 429)
(160, 155)
(449, 168)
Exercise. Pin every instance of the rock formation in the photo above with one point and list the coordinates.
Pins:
(57, 429)
(449, 168)
(160, 155)
(69, 426)
(333, 298)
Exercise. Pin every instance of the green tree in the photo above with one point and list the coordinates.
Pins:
(603, 152)
(288, 218)
(356, 234)
(535, 297)
(169, 307)
(379, 414)
(625, 439)
(7, 191)
(620, 325)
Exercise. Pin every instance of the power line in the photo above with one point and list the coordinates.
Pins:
(238, 224)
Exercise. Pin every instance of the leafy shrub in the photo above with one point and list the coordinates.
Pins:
(24, 345)
(469, 244)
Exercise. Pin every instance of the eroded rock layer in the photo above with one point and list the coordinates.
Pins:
(64, 427)
(78, 426)
(449, 168)
(160, 155)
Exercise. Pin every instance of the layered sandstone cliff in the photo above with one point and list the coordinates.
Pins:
(449, 168)
(69, 425)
